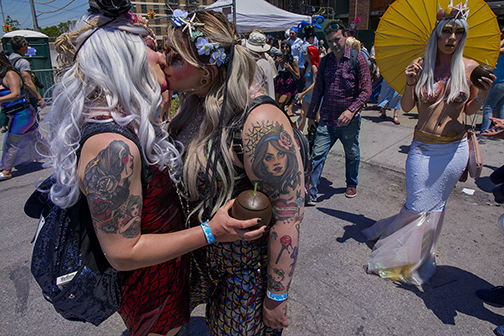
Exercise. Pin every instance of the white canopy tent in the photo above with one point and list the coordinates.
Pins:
(258, 14)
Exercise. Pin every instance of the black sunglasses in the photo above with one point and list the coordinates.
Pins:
(171, 55)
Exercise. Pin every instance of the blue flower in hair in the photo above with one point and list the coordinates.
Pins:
(204, 47)
(218, 57)
(179, 17)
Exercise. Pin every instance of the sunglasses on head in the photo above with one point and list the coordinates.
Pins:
(172, 55)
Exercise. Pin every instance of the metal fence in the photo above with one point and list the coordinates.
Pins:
(48, 77)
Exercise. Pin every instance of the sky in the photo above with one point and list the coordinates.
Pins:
(21, 10)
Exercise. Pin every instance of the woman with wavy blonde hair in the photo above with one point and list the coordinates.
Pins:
(222, 122)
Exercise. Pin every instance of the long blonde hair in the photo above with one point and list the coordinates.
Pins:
(352, 42)
(214, 129)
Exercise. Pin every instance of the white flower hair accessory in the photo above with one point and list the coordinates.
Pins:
(180, 19)
(217, 55)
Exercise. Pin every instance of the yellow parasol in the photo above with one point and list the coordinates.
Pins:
(404, 30)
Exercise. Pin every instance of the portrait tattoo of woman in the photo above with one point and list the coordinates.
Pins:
(107, 182)
(274, 162)
(273, 155)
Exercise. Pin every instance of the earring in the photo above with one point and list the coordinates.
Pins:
(204, 81)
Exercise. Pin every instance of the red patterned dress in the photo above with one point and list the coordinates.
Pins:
(156, 299)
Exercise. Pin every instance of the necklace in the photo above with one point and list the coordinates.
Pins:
(184, 203)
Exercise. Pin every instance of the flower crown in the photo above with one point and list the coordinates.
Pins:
(456, 12)
(217, 55)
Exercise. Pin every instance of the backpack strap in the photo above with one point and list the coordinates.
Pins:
(321, 69)
(15, 62)
(91, 129)
(353, 61)
(353, 64)
(236, 131)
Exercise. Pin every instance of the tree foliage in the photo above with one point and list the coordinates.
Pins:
(14, 24)
(54, 31)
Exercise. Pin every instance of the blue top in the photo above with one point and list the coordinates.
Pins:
(499, 70)
(12, 105)
(308, 75)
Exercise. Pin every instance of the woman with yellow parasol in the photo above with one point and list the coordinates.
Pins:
(438, 85)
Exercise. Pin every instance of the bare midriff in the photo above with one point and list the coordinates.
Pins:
(444, 119)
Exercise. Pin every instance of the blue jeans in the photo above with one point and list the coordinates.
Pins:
(494, 102)
(324, 140)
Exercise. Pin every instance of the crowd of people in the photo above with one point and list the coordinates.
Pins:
(167, 219)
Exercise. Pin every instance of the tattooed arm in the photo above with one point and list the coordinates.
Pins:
(109, 174)
(273, 160)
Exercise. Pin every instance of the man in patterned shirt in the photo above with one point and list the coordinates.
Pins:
(345, 86)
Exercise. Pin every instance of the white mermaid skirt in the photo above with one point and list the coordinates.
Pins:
(407, 242)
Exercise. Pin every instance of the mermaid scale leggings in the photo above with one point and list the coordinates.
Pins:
(19, 124)
(231, 279)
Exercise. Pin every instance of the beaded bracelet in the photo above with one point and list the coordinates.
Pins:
(208, 233)
(276, 297)
(410, 84)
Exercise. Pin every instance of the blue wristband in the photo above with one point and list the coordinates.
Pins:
(477, 99)
(208, 233)
(276, 297)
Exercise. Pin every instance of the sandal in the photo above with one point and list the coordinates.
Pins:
(3, 177)
(396, 121)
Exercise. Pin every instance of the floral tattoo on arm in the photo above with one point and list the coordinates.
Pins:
(107, 188)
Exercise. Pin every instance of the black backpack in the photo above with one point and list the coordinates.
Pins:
(299, 137)
(67, 261)
(35, 80)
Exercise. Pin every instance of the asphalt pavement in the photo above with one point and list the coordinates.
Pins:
(331, 294)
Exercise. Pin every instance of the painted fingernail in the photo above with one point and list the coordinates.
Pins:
(259, 220)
